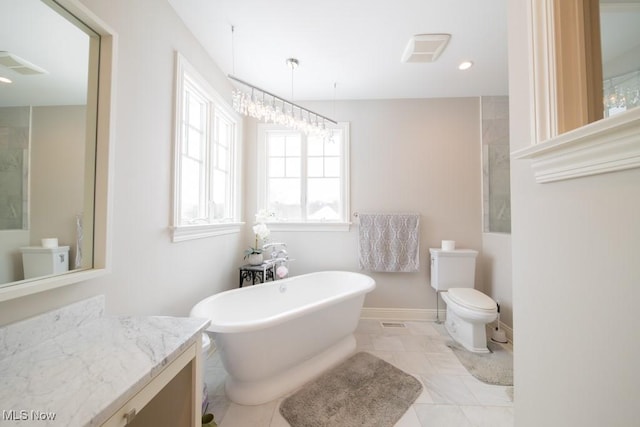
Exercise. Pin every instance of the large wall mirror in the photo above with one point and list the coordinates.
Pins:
(585, 86)
(604, 80)
(55, 81)
(620, 35)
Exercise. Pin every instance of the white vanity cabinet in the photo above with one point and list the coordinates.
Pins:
(172, 398)
(76, 367)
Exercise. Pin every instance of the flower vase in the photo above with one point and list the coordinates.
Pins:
(255, 259)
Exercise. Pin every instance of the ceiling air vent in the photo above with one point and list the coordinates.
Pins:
(19, 65)
(425, 47)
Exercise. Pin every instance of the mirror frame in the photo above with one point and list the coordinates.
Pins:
(104, 137)
(602, 146)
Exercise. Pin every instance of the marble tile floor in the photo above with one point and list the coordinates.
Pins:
(451, 397)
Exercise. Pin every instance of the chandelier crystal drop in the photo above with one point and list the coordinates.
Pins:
(621, 93)
(270, 108)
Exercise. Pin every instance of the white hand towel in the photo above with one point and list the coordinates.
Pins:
(389, 242)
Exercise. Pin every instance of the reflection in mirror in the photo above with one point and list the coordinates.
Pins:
(567, 82)
(496, 165)
(48, 62)
(620, 38)
(596, 61)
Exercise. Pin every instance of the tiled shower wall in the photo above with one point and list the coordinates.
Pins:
(496, 189)
(14, 163)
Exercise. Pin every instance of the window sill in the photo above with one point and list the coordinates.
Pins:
(309, 226)
(190, 232)
(608, 145)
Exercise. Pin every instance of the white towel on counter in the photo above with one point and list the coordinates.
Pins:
(389, 242)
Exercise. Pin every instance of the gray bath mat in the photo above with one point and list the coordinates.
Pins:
(362, 391)
(492, 368)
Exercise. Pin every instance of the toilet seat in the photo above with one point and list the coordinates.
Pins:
(472, 299)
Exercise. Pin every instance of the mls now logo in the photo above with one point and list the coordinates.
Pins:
(24, 415)
(15, 415)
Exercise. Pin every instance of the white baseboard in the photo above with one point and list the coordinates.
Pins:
(401, 314)
(427, 315)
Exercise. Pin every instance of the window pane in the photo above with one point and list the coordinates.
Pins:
(333, 145)
(276, 167)
(276, 145)
(314, 146)
(293, 145)
(293, 167)
(222, 159)
(220, 179)
(196, 112)
(332, 167)
(284, 198)
(323, 199)
(192, 191)
(224, 133)
(194, 144)
(315, 167)
(220, 196)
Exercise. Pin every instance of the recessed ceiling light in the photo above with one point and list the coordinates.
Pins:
(465, 65)
(5, 80)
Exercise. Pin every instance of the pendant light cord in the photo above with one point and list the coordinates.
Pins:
(233, 50)
(335, 90)
(292, 68)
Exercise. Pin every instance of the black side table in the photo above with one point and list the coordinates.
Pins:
(258, 273)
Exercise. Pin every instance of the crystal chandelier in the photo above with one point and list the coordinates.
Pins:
(270, 108)
(621, 93)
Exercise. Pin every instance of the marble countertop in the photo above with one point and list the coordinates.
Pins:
(77, 366)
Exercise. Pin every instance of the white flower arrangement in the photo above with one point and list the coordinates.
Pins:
(261, 232)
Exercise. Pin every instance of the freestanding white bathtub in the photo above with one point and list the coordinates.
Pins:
(276, 336)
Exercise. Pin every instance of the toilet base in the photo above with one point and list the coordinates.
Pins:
(472, 336)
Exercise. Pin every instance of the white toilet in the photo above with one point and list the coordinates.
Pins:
(468, 310)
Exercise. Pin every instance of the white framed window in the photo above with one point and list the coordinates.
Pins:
(303, 180)
(206, 157)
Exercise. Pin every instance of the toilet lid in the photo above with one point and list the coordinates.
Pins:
(471, 298)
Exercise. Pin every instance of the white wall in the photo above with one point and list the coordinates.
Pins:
(150, 275)
(576, 281)
(57, 173)
(497, 273)
(406, 156)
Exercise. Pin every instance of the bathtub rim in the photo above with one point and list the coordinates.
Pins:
(198, 310)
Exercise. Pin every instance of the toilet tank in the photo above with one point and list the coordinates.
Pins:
(453, 269)
(38, 261)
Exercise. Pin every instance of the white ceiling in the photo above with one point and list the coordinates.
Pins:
(356, 44)
(38, 34)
